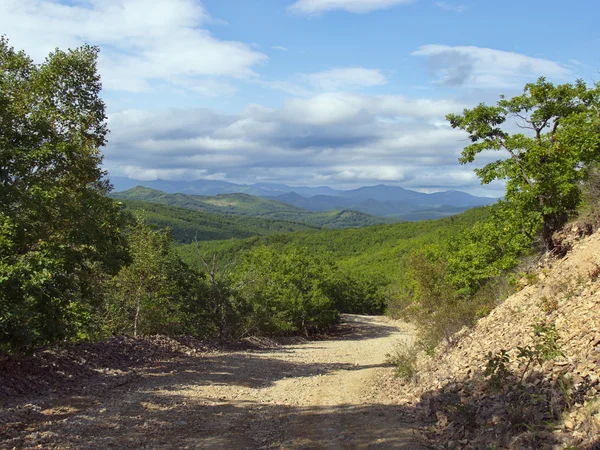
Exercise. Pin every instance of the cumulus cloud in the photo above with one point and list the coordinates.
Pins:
(142, 43)
(315, 7)
(340, 139)
(486, 68)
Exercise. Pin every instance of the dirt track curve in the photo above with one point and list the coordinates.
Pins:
(309, 395)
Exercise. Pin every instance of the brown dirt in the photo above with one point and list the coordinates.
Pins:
(305, 395)
(555, 405)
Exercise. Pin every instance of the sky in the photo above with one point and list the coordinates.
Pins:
(342, 93)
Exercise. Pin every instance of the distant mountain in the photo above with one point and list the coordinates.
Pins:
(237, 204)
(389, 201)
(214, 187)
(251, 206)
(380, 200)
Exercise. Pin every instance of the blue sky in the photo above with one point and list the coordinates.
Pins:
(342, 93)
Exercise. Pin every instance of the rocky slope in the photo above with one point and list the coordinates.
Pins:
(527, 376)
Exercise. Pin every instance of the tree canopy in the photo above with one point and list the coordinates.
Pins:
(59, 233)
(547, 160)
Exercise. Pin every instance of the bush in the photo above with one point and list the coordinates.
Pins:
(356, 293)
(404, 359)
(156, 292)
(284, 292)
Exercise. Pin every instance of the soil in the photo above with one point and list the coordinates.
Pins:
(307, 394)
(550, 404)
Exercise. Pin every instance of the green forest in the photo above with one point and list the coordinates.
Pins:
(249, 205)
(79, 265)
(188, 225)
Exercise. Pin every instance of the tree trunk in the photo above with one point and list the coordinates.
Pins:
(547, 233)
(137, 312)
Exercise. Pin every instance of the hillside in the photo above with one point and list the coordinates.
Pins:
(189, 225)
(392, 202)
(551, 404)
(377, 251)
(248, 205)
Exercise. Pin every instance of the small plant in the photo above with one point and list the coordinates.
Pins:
(404, 358)
(463, 413)
(526, 356)
(548, 305)
(547, 345)
(531, 278)
(497, 368)
(565, 383)
(521, 412)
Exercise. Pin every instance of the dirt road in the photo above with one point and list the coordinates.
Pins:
(309, 395)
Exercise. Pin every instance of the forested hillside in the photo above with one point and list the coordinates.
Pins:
(188, 225)
(248, 205)
(378, 251)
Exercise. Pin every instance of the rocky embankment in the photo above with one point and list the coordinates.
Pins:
(527, 376)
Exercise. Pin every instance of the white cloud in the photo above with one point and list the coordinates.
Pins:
(337, 79)
(315, 7)
(487, 68)
(142, 42)
(446, 6)
(280, 48)
(340, 139)
(346, 78)
(332, 108)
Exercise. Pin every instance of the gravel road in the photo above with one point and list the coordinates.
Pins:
(318, 394)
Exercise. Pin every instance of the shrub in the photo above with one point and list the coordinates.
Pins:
(285, 292)
(404, 358)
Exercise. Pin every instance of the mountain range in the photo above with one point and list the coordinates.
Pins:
(381, 200)
(225, 209)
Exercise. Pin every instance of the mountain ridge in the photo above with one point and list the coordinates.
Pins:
(379, 200)
(245, 205)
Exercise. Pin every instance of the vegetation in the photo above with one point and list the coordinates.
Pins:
(286, 291)
(60, 236)
(546, 347)
(373, 252)
(545, 166)
(76, 265)
(156, 292)
(449, 284)
(248, 205)
(187, 226)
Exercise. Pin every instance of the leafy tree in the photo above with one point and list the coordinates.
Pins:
(356, 292)
(285, 292)
(60, 236)
(156, 292)
(546, 162)
(486, 250)
(221, 307)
